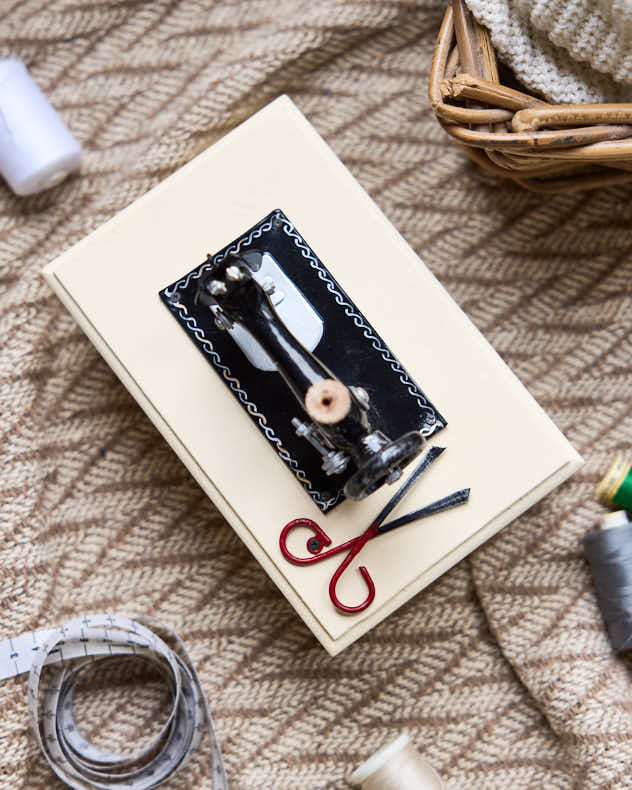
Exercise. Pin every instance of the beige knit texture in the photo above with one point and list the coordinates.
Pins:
(570, 51)
(501, 671)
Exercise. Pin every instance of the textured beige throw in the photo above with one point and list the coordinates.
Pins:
(501, 671)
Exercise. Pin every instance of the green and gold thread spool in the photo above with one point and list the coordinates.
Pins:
(616, 487)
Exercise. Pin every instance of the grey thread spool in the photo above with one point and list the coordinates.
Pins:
(397, 766)
(609, 553)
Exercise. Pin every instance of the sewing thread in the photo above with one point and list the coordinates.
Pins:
(64, 655)
(609, 553)
(397, 766)
(616, 487)
(37, 150)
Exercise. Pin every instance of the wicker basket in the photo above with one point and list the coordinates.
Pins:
(543, 147)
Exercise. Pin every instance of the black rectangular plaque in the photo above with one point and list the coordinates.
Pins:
(350, 347)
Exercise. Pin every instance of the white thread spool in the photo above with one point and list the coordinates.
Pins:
(397, 766)
(619, 518)
(37, 150)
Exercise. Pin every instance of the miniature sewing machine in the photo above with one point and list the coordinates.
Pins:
(276, 318)
(341, 428)
(277, 305)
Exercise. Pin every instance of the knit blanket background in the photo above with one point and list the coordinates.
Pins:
(501, 670)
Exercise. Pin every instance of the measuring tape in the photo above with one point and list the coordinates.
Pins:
(63, 656)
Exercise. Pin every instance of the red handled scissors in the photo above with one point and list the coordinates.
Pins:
(320, 539)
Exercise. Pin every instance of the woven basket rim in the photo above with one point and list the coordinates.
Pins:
(543, 146)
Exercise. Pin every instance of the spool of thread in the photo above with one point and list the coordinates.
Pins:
(37, 150)
(609, 553)
(616, 487)
(397, 766)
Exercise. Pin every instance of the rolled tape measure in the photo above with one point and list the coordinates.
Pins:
(64, 655)
(37, 150)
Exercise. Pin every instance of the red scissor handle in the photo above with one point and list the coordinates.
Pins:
(315, 544)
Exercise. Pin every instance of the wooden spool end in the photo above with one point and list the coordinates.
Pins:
(327, 401)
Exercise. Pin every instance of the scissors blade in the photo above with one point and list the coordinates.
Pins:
(445, 503)
(432, 455)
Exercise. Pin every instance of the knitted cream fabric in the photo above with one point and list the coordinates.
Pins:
(570, 51)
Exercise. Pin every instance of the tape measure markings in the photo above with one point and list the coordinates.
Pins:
(69, 652)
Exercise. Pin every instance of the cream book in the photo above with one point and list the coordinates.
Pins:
(124, 282)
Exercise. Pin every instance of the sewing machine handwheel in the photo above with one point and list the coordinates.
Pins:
(385, 466)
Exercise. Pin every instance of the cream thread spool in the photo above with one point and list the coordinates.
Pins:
(397, 766)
